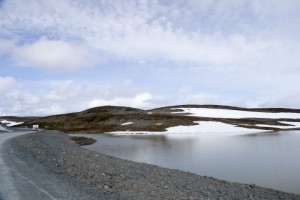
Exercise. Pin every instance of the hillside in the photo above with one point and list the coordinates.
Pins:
(126, 119)
(8, 121)
(111, 118)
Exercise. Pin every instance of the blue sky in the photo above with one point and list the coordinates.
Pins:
(61, 56)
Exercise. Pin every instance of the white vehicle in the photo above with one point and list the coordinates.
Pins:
(35, 127)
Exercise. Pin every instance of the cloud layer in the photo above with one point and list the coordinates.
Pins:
(208, 33)
(54, 54)
(66, 96)
(185, 51)
(48, 97)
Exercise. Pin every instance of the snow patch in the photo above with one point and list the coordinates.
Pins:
(127, 123)
(200, 128)
(225, 113)
(293, 125)
(10, 123)
(211, 127)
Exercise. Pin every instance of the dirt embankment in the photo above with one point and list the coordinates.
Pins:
(112, 178)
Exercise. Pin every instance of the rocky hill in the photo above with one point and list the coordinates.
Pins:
(116, 118)
(111, 118)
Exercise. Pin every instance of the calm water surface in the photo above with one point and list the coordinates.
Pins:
(265, 159)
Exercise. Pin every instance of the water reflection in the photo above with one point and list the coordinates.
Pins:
(262, 134)
(269, 159)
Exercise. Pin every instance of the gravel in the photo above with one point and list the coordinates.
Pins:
(99, 176)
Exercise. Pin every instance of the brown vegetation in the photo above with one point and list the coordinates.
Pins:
(110, 118)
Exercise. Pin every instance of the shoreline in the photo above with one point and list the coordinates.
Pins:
(114, 178)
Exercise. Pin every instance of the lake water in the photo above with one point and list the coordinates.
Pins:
(266, 159)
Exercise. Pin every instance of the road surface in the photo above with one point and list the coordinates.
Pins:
(7, 188)
(21, 181)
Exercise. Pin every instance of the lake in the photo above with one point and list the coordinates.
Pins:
(269, 159)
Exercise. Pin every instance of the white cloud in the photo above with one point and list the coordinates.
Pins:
(185, 90)
(5, 46)
(231, 46)
(109, 91)
(63, 90)
(210, 33)
(291, 101)
(7, 84)
(140, 100)
(54, 54)
(200, 99)
(62, 96)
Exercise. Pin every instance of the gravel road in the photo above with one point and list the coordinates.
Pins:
(48, 165)
(7, 188)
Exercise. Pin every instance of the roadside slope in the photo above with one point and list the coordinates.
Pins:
(108, 177)
(22, 178)
(7, 188)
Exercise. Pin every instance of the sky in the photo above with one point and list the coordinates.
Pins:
(59, 56)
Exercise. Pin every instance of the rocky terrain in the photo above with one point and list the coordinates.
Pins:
(92, 175)
(113, 118)
(83, 140)
(98, 176)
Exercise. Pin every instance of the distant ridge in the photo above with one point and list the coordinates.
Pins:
(117, 118)
(275, 110)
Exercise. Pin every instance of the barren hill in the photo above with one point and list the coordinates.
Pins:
(116, 118)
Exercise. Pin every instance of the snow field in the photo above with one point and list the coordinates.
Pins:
(225, 113)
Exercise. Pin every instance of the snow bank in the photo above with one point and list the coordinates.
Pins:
(211, 127)
(293, 125)
(219, 127)
(224, 113)
(127, 123)
(10, 123)
(201, 128)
